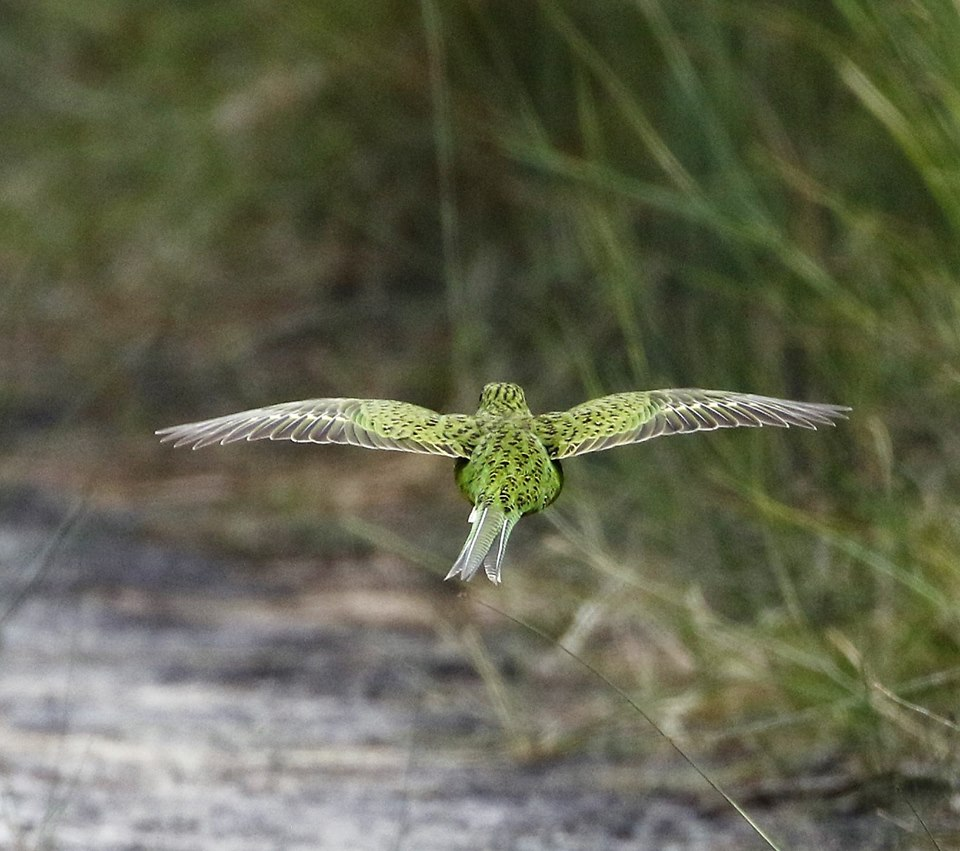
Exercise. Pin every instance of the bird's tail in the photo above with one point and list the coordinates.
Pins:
(486, 543)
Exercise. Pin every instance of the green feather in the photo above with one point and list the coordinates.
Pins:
(508, 460)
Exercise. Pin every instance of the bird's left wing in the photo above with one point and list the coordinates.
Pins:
(634, 417)
(373, 423)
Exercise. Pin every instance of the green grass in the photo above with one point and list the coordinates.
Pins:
(206, 210)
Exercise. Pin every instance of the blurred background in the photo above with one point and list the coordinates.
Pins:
(215, 205)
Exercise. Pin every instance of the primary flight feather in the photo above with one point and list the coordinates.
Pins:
(507, 459)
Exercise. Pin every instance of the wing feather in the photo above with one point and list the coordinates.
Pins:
(635, 417)
(372, 423)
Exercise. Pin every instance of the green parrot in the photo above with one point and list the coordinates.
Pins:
(507, 459)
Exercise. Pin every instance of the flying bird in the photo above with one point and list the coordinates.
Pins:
(507, 458)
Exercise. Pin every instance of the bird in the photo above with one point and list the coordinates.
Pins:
(507, 459)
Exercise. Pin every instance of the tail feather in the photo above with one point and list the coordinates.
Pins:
(492, 563)
(490, 525)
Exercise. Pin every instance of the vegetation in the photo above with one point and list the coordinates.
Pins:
(211, 205)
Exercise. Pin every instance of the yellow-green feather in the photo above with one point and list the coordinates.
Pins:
(507, 459)
(634, 417)
(372, 423)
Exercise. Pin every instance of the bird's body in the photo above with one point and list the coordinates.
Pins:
(508, 459)
(509, 473)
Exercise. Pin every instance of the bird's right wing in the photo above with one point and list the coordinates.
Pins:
(634, 417)
(373, 423)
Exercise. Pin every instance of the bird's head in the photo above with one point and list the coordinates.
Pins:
(503, 399)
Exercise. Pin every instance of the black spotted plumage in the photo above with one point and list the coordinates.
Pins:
(508, 459)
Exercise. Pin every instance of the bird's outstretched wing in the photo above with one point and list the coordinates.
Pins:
(634, 417)
(373, 423)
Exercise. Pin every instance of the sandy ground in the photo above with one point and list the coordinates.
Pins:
(154, 699)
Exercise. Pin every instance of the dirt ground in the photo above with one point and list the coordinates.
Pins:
(151, 698)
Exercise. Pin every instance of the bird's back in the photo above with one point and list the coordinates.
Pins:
(510, 467)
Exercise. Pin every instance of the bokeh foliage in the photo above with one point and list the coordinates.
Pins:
(214, 204)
